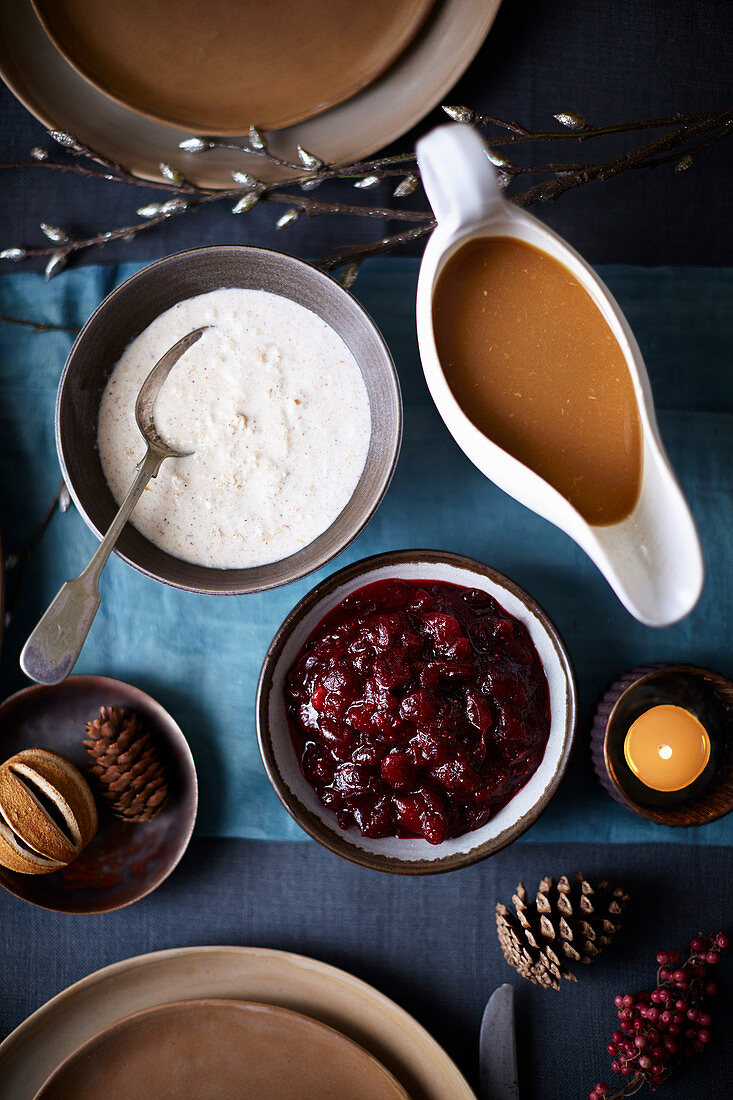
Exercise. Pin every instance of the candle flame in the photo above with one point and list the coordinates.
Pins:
(667, 748)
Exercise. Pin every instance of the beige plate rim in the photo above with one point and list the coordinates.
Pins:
(324, 992)
(219, 1002)
(396, 101)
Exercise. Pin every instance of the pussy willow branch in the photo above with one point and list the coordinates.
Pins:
(353, 255)
(685, 136)
(641, 157)
(567, 176)
(576, 126)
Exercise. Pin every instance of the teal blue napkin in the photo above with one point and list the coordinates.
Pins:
(200, 656)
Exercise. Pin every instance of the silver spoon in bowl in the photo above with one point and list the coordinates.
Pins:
(54, 646)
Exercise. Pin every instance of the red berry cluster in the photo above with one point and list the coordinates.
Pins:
(658, 1029)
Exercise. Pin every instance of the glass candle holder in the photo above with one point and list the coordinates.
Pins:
(662, 743)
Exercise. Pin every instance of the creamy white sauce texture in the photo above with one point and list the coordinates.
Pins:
(274, 407)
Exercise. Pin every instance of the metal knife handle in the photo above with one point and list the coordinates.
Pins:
(498, 1047)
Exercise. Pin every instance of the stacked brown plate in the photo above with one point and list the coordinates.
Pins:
(223, 66)
(153, 1008)
(133, 81)
(213, 1048)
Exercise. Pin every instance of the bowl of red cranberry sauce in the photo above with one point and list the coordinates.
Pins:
(416, 711)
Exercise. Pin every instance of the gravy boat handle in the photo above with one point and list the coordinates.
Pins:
(459, 179)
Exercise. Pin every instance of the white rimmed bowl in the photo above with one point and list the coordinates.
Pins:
(394, 854)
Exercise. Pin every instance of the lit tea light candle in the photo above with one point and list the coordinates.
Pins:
(667, 748)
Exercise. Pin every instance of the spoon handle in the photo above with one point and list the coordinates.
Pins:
(54, 646)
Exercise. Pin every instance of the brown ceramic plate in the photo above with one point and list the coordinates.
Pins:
(419, 79)
(394, 854)
(220, 1049)
(125, 860)
(325, 993)
(223, 66)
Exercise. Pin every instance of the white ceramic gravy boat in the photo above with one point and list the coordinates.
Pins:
(652, 559)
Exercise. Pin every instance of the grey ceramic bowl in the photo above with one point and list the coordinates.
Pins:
(131, 308)
(405, 856)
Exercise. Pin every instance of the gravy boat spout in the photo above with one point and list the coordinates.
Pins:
(652, 558)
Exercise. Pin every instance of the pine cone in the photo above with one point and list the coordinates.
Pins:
(126, 765)
(566, 921)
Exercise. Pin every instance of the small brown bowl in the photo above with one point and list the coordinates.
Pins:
(125, 860)
(707, 695)
(135, 304)
(394, 854)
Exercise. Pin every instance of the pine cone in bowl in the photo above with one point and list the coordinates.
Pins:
(126, 765)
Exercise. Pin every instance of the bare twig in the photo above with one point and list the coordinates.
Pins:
(634, 158)
(521, 135)
(357, 253)
(86, 173)
(314, 207)
(38, 326)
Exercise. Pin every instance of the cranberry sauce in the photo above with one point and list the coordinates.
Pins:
(418, 709)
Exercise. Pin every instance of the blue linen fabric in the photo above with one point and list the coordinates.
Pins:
(200, 656)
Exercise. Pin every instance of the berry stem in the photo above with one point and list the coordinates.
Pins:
(659, 1029)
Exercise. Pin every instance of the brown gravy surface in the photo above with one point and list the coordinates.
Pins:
(532, 362)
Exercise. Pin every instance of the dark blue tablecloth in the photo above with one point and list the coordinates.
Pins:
(428, 943)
